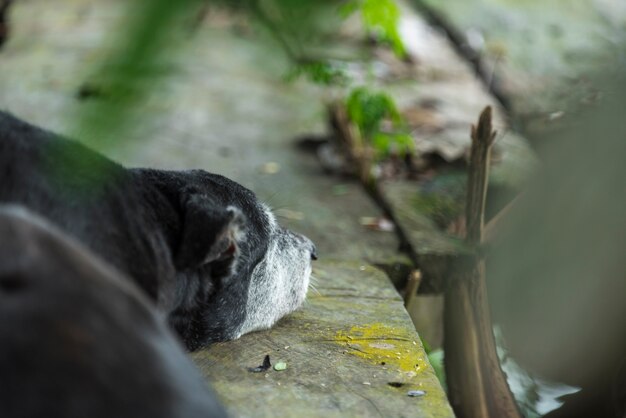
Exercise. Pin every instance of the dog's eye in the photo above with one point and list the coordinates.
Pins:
(228, 253)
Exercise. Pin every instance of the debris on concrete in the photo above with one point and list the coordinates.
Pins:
(263, 367)
(280, 366)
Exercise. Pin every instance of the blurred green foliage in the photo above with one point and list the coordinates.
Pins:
(156, 28)
(119, 83)
(310, 20)
(319, 72)
(123, 79)
(436, 358)
(392, 143)
(369, 110)
(141, 50)
(380, 18)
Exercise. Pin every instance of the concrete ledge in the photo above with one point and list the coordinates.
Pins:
(342, 350)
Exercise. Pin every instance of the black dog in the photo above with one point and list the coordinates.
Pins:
(78, 340)
(202, 247)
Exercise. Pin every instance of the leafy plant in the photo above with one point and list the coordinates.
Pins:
(368, 111)
(380, 18)
(319, 72)
(296, 24)
(436, 359)
(387, 143)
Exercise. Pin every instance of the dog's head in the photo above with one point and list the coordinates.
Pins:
(238, 270)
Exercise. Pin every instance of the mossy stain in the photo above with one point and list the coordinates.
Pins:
(382, 344)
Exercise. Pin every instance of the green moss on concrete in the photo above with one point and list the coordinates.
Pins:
(334, 351)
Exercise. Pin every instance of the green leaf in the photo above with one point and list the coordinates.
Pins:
(405, 143)
(280, 366)
(319, 72)
(436, 358)
(382, 144)
(348, 8)
(381, 18)
(367, 109)
(385, 143)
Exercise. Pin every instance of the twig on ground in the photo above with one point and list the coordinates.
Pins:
(412, 286)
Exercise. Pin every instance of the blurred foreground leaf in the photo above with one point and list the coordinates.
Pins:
(153, 30)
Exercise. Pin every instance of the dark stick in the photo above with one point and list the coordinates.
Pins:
(412, 286)
(477, 385)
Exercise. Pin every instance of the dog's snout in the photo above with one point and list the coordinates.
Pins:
(305, 243)
(313, 252)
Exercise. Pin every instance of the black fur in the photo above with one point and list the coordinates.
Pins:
(173, 232)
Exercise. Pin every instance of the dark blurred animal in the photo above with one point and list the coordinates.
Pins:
(558, 265)
(79, 340)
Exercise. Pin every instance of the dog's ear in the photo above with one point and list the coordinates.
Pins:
(209, 231)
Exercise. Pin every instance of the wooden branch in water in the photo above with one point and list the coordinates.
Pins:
(477, 385)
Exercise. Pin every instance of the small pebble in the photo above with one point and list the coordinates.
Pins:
(416, 393)
(367, 383)
(270, 168)
(377, 224)
(280, 366)
(555, 115)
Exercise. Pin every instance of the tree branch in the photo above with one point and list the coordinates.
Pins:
(477, 385)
